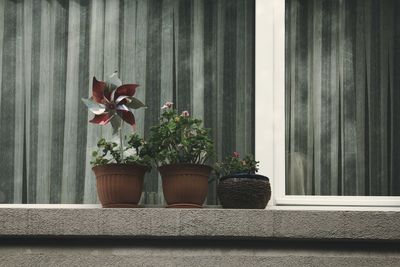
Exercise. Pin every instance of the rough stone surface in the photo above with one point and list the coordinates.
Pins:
(308, 224)
(371, 225)
(198, 222)
(13, 221)
(149, 255)
(65, 260)
(62, 222)
(210, 223)
(198, 237)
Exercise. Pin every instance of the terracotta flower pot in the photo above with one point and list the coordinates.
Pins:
(244, 191)
(185, 185)
(119, 185)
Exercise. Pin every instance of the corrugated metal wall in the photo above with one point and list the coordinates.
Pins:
(343, 97)
(199, 54)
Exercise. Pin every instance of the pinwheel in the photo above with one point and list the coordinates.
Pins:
(113, 101)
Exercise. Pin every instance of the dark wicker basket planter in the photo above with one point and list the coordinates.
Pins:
(244, 191)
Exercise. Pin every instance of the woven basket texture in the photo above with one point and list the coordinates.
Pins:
(243, 193)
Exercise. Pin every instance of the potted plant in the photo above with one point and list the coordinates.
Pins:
(119, 169)
(180, 147)
(239, 186)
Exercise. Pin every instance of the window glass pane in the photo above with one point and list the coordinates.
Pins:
(198, 54)
(343, 97)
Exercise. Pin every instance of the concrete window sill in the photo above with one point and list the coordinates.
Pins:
(271, 224)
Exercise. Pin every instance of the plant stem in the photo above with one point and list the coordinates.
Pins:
(121, 149)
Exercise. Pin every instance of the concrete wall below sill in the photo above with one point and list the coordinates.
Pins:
(206, 237)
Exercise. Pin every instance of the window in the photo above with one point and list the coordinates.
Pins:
(49, 50)
(199, 54)
(325, 35)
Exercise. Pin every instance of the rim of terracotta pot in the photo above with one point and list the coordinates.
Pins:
(121, 165)
(245, 176)
(185, 165)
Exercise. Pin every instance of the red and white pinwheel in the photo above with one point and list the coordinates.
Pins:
(112, 98)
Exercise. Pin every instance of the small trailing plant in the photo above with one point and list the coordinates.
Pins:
(112, 102)
(235, 165)
(133, 152)
(179, 138)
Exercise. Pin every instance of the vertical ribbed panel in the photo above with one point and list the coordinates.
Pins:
(8, 50)
(71, 106)
(19, 108)
(96, 62)
(198, 54)
(45, 114)
(341, 97)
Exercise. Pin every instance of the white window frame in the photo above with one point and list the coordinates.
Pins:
(270, 112)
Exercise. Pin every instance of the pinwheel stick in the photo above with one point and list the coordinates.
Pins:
(121, 149)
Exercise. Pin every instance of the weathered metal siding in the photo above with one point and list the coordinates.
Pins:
(199, 54)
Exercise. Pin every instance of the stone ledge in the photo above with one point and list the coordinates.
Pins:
(201, 223)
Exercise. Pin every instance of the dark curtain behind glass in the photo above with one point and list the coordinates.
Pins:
(199, 54)
(343, 97)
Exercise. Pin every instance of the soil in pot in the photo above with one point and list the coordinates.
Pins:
(244, 191)
(185, 185)
(119, 185)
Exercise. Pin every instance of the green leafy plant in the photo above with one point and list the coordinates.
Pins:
(133, 153)
(235, 165)
(179, 138)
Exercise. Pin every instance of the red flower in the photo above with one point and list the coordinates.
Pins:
(235, 154)
(112, 98)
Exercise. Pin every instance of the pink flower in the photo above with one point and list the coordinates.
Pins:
(185, 113)
(167, 105)
(235, 154)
